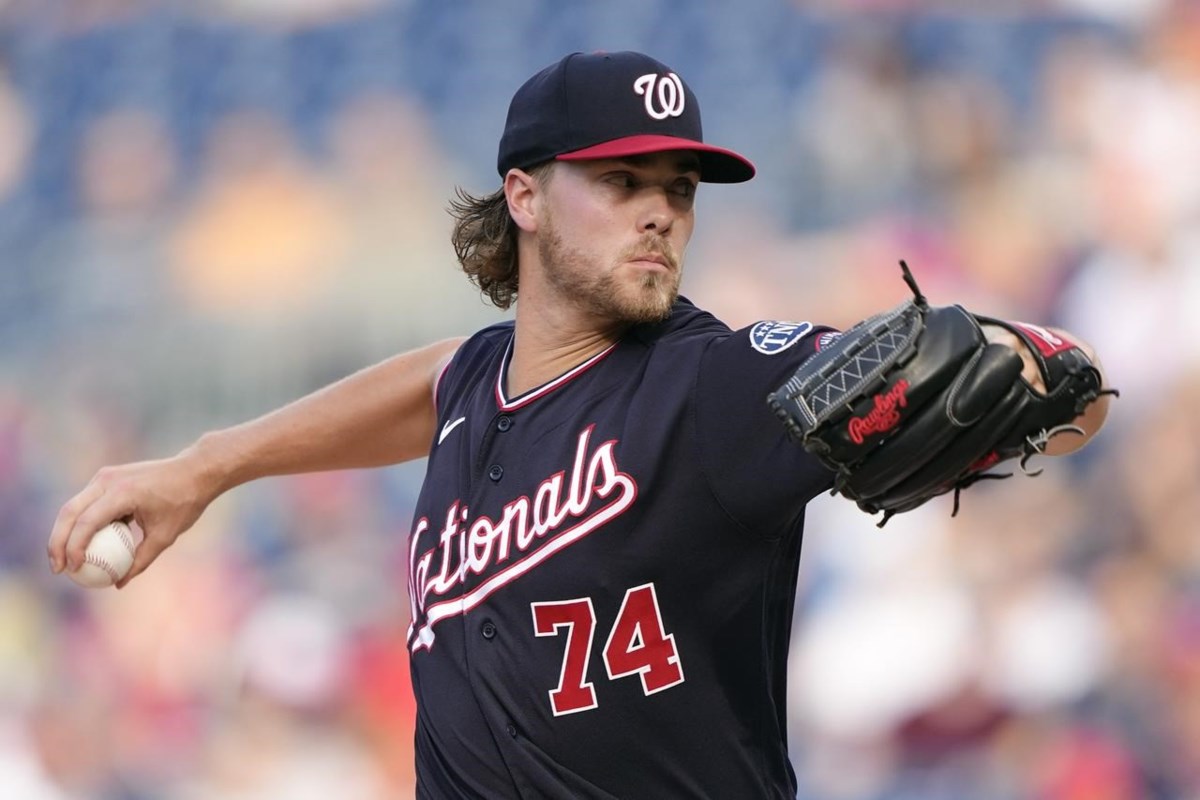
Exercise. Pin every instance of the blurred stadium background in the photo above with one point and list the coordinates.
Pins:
(209, 208)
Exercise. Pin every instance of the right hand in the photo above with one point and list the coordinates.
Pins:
(164, 497)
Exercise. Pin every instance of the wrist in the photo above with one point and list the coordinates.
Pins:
(215, 463)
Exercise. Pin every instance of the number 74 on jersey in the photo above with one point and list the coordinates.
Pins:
(637, 645)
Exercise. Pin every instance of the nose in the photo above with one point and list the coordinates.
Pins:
(656, 215)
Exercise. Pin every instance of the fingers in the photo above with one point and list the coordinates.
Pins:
(104, 509)
(66, 522)
(102, 501)
(163, 497)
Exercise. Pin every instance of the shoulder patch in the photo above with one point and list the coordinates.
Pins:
(770, 337)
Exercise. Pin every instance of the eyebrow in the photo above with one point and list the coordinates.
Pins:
(686, 162)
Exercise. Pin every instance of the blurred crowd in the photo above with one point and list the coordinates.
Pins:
(207, 212)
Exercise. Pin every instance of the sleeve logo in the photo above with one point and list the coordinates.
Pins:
(770, 337)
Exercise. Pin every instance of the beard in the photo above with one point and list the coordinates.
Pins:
(578, 278)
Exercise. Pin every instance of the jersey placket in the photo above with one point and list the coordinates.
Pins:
(489, 491)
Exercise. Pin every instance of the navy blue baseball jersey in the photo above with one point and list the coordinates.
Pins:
(602, 570)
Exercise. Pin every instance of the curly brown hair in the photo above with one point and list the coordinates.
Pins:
(485, 239)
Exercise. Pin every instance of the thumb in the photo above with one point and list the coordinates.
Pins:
(982, 383)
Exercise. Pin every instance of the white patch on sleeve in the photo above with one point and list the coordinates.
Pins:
(770, 337)
(827, 338)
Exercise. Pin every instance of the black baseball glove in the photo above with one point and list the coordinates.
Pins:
(915, 402)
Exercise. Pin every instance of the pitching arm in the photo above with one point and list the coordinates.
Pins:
(381, 415)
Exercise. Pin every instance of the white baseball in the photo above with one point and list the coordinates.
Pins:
(108, 557)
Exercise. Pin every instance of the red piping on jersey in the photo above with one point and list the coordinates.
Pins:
(545, 388)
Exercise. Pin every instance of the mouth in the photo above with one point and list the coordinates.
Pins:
(652, 262)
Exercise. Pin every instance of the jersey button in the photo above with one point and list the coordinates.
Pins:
(512, 730)
(503, 424)
(496, 472)
(488, 629)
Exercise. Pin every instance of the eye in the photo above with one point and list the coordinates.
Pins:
(625, 180)
(684, 188)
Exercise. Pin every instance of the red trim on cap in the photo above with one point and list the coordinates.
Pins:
(723, 166)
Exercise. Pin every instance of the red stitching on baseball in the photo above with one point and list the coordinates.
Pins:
(126, 539)
(108, 568)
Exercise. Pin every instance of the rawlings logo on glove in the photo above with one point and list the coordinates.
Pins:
(883, 417)
(916, 402)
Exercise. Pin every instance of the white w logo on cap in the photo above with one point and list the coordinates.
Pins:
(668, 92)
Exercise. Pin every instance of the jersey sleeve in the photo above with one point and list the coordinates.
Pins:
(466, 364)
(761, 478)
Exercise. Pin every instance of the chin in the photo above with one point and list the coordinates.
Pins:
(652, 305)
(632, 302)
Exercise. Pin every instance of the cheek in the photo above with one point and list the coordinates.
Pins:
(593, 228)
(685, 226)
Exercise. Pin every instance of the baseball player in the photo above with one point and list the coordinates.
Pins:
(603, 558)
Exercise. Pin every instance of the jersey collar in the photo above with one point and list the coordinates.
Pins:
(506, 404)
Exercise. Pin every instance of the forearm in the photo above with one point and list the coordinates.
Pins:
(383, 414)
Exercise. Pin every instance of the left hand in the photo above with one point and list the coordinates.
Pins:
(922, 400)
(1090, 421)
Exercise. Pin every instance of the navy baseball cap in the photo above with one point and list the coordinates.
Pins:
(609, 105)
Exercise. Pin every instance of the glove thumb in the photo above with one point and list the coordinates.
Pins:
(982, 383)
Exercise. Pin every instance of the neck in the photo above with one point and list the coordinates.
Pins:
(550, 341)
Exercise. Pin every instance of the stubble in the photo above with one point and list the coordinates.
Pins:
(600, 290)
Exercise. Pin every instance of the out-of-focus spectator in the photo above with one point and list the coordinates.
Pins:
(394, 183)
(290, 676)
(290, 12)
(16, 135)
(111, 255)
(263, 237)
(1138, 287)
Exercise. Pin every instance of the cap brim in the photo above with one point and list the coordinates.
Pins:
(717, 165)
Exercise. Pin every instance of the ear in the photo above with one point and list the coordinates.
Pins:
(523, 193)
